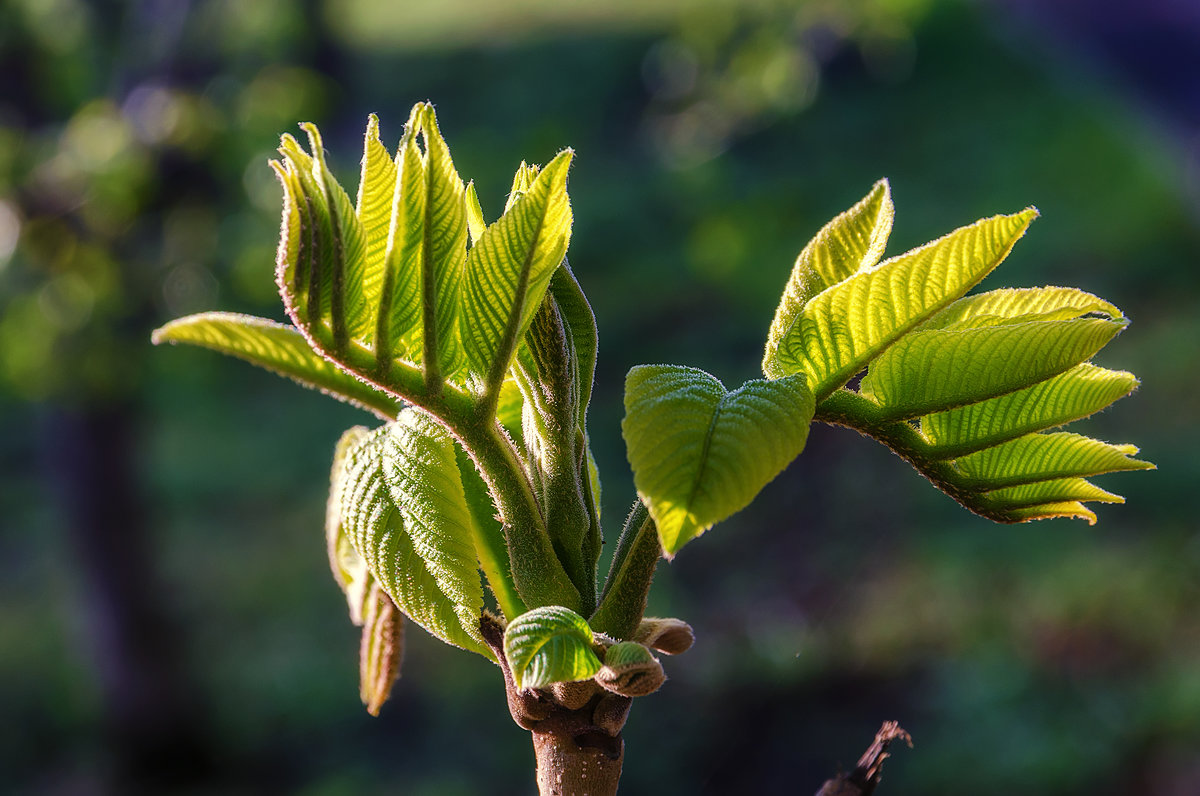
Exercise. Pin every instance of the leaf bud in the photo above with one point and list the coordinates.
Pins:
(631, 670)
(667, 635)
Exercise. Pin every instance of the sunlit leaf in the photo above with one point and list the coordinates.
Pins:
(376, 189)
(549, 645)
(1077, 393)
(278, 348)
(405, 510)
(1043, 457)
(700, 453)
(932, 370)
(349, 569)
(845, 326)
(852, 241)
(509, 268)
(1021, 305)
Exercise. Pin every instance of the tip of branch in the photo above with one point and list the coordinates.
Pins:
(866, 775)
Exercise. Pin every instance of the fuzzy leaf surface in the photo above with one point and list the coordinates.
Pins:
(850, 242)
(549, 645)
(700, 453)
(845, 326)
(509, 268)
(278, 348)
(404, 508)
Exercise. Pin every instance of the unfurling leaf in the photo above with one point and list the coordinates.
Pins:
(631, 670)
(548, 645)
(509, 268)
(403, 507)
(381, 651)
(700, 453)
(667, 635)
(349, 569)
(278, 348)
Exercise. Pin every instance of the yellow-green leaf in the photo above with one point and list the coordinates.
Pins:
(931, 370)
(509, 268)
(852, 241)
(1079, 392)
(278, 348)
(700, 453)
(845, 326)
(1043, 457)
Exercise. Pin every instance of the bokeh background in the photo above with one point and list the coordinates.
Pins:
(167, 621)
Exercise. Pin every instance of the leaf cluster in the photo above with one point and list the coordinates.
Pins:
(474, 341)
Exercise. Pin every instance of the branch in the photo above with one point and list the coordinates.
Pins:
(866, 775)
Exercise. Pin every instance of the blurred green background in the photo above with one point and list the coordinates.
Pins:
(167, 621)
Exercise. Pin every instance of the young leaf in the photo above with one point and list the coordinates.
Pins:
(700, 453)
(489, 537)
(508, 270)
(349, 569)
(374, 210)
(849, 243)
(404, 508)
(1021, 305)
(845, 326)
(381, 650)
(1077, 393)
(278, 348)
(427, 248)
(349, 316)
(1043, 457)
(548, 645)
(931, 370)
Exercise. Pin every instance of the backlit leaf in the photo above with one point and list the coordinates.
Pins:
(852, 241)
(700, 453)
(509, 268)
(845, 326)
(278, 348)
(405, 510)
(932, 370)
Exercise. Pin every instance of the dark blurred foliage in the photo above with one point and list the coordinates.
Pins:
(166, 619)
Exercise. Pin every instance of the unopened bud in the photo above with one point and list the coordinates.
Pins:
(630, 670)
(667, 635)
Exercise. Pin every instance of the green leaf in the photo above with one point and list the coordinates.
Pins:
(278, 348)
(580, 323)
(1077, 393)
(1021, 305)
(1062, 490)
(508, 270)
(1043, 457)
(404, 508)
(549, 645)
(376, 190)
(699, 453)
(489, 537)
(509, 408)
(849, 243)
(346, 245)
(475, 223)
(931, 370)
(427, 250)
(349, 569)
(845, 326)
